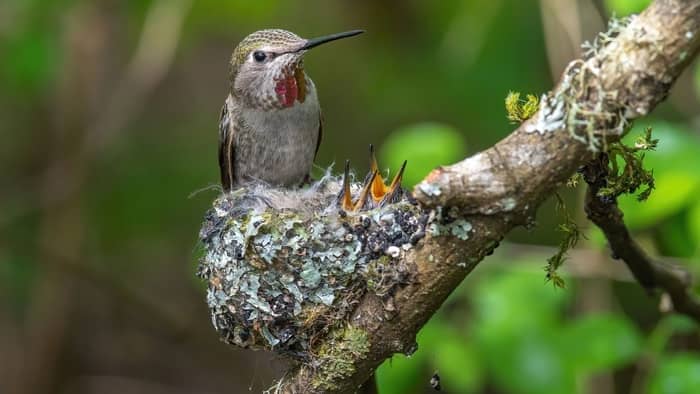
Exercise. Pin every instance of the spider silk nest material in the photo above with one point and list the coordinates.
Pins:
(283, 266)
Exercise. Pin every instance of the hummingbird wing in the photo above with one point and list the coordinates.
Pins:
(320, 132)
(227, 146)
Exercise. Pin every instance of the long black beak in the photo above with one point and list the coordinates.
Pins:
(314, 42)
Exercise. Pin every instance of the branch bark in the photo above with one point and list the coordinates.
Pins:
(626, 76)
(649, 273)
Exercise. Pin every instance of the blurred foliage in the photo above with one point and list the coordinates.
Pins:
(425, 146)
(676, 172)
(520, 340)
(517, 338)
(677, 374)
(626, 7)
(424, 84)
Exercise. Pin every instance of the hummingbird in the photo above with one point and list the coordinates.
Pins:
(271, 125)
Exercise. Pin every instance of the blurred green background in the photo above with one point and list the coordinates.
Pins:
(108, 118)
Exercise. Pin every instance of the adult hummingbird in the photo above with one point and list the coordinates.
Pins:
(271, 126)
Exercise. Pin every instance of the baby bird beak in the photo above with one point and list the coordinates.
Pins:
(375, 192)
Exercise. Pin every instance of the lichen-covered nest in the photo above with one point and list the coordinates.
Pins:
(283, 266)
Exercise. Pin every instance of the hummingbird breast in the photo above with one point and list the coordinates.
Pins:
(278, 145)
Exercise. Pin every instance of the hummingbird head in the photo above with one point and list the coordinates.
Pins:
(266, 68)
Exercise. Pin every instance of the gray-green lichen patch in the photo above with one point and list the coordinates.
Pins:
(449, 222)
(581, 105)
(284, 266)
(430, 189)
(460, 228)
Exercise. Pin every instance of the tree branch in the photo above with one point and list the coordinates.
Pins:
(651, 274)
(623, 77)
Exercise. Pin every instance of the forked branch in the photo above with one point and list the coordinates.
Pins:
(651, 274)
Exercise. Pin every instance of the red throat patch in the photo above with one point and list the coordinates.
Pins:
(291, 88)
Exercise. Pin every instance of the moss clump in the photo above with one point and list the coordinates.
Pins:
(572, 235)
(336, 358)
(519, 110)
(626, 172)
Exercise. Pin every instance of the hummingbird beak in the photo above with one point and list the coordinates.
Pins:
(314, 42)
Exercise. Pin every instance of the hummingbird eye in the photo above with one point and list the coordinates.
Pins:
(259, 56)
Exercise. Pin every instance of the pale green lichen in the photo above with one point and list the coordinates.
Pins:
(581, 105)
(460, 228)
(336, 358)
(508, 204)
(430, 189)
(449, 223)
(283, 266)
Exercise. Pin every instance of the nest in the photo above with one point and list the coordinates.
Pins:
(283, 266)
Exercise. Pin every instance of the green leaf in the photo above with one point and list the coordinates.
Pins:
(611, 342)
(676, 374)
(425, 146)
(626, 7)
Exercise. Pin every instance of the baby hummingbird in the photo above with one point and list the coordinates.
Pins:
(270, 127)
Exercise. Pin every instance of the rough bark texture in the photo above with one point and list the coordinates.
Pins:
(624, 78)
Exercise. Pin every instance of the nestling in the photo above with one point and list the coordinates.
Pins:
(270, 127)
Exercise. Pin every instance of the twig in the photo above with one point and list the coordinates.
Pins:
(651, 274)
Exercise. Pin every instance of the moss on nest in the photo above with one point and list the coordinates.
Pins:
(284, 266)
(338, 355)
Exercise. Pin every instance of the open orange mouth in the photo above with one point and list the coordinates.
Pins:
(375, 192)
